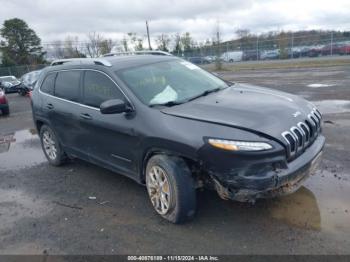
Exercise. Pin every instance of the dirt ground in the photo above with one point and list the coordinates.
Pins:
(49, 210)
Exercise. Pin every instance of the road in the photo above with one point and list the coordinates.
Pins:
(47, 210)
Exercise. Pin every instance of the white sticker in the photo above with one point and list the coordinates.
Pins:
(189, 65)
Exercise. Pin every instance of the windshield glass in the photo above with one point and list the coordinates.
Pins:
(170, 81)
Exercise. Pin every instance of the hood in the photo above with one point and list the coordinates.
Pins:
(260, 110)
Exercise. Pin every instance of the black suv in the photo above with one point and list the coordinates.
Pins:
(174, 127)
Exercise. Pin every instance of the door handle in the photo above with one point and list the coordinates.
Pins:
(85, 116)
(49, 106)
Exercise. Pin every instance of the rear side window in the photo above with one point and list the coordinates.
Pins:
(67, 85)
(98, 88)
(48, 84)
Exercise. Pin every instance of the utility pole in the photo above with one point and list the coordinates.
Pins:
(149, 41)
(292, 46)
(257, 47)
(332, 42)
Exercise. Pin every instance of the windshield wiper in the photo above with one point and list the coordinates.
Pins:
(169, 103)
(206, 92)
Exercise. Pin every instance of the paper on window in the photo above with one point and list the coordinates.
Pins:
(168, 94)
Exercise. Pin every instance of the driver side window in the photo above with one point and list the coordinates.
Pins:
(98, 88)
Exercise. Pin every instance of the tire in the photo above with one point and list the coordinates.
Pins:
(231, 61)
(59, 157)
(180, 186)
(6, 111)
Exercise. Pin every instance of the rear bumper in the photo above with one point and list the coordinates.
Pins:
(4, 106)
(272, 181)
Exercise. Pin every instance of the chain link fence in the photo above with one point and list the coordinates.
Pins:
(268, 47)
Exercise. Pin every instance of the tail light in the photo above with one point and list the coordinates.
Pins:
(3, 99)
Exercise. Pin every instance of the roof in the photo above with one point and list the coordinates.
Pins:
(122, 62)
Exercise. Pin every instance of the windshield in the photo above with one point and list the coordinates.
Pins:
(171, 81)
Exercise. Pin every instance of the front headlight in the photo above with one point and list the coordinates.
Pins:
(239, 145)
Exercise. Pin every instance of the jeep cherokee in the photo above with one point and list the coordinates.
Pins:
(172, 126)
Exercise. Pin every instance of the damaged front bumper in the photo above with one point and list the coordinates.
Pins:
(271, 182)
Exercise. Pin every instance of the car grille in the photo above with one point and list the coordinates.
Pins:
(302, 135)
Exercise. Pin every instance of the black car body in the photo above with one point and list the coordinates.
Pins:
(244, 141)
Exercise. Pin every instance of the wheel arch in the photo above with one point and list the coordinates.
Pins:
(191, 160)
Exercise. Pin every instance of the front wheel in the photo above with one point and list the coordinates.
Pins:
(171, 188)
(51, 147)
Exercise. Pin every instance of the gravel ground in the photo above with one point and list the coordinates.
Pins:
(47, 210)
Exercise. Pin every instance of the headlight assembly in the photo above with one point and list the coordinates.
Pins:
(232, 145)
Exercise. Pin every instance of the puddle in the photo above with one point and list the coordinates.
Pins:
(20, 149)
(333, 106)
(322, 204)
(319, 85)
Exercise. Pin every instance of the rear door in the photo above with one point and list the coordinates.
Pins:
(65, 111)
(110, 139)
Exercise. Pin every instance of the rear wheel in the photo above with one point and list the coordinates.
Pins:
(171, 188)
(51, 147)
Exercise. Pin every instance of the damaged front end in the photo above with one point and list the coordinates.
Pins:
(267, 180)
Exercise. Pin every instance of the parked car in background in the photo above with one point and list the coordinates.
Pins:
(314, 51)
(4, 105)
(270, 54)
(10, 84)
(232, 56)
(199, 60)
(345, 49)
(28, 82)
(251, 55)
(333, 49)
(211, 59)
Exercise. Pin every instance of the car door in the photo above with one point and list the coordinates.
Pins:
(65, 109)
(109, 138)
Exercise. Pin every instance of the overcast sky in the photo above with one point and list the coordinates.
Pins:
(54, 20)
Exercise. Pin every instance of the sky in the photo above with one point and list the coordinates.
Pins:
(55, 20)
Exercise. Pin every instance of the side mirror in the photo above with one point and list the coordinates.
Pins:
(114, 106)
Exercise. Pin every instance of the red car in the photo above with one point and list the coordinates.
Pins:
(4, 105)
(345, 50)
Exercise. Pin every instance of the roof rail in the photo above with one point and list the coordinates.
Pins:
(96, 61)
(146, 52)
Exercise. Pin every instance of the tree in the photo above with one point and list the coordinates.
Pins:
(163, 42)
(71, 48)
(177, 44)
(97, 45)
(218, 62)
(21, 45)
(187, 42)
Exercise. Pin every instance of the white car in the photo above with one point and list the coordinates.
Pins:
(232, 56)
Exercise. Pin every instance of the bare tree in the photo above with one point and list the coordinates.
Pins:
(218, 62)
(139, 44)
(71, 47)
(93, 46)
(106, 46)
(58, 49)
(125, 44)
(163, 42)
(177, 44)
